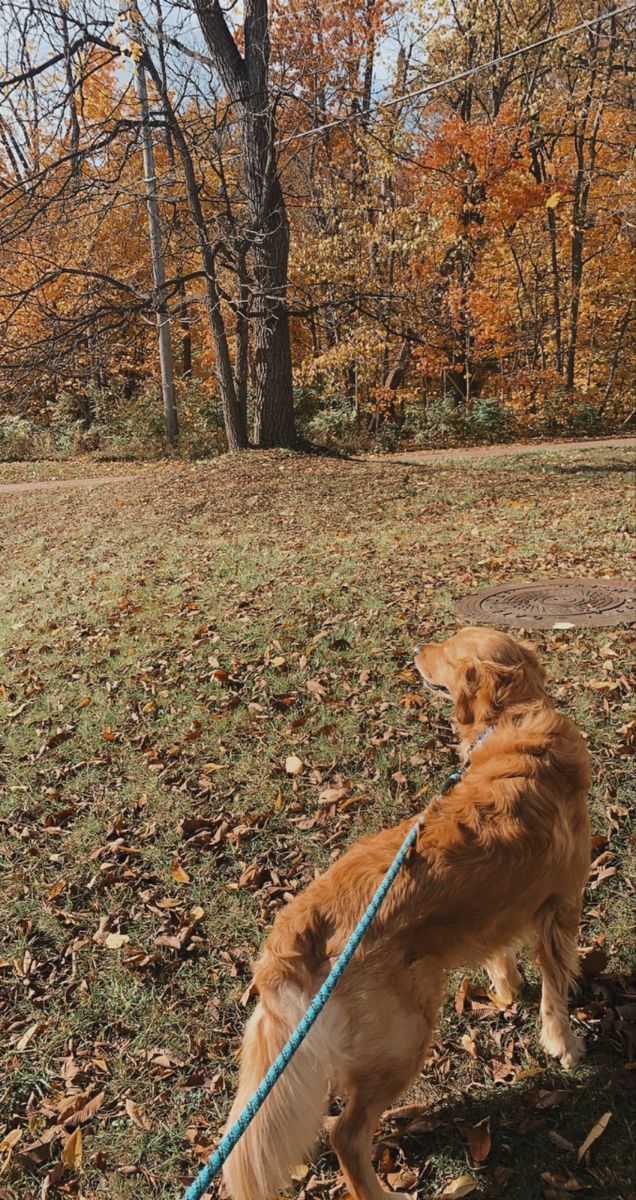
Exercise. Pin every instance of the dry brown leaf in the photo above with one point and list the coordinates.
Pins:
(293, 764)
(7, 1146)
(462, 995)
(469, 1045)
(178, 873)
(137, 1115)
(463, 1185)
(27, 1036)
(479, 1141)
(84, 1113)
(72, 1152)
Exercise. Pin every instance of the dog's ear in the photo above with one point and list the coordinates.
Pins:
(501, 686)
(484, 688)
(466, 687)
(532, 659)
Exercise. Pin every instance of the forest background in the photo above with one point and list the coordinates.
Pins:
(382, 223)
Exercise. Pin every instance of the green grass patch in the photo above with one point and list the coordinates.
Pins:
(165, 645)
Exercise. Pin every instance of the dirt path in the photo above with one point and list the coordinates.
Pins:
(511, 448)
(406, 456)
(57, 485)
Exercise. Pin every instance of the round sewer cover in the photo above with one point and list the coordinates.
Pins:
(554, 602)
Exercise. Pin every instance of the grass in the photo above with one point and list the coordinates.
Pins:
(166, 643)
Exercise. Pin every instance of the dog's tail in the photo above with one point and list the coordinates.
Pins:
(287, 1125)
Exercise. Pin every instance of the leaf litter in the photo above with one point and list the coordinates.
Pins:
(151, 834)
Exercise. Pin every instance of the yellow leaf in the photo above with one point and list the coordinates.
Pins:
(84, 702)
(7, 1146)
(11, 1139)
(554, 200)
(299, 1173)
(178, 873)
(293, 764)
(27, 1036)
(115, 941)
(72, 1152)
(595, 1132)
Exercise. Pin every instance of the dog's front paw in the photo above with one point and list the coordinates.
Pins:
(569, 1050)
(573, 1053)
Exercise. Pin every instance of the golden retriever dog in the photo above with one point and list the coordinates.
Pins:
(501, 859)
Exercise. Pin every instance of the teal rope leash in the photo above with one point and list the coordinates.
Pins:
(228, 1142)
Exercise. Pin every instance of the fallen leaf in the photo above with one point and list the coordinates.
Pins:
(7, 1146)
(332, 795)
(178, 873)
(115, 941)
(479, 1140)
(137, 1115)
(469, 1045)
(464, 1185)
(69, 1119)
(27, 1036)
(595, 1132)
(293, 764)
(72, 1152)
(593, 961)
(299, 1173)
(11, 1139)
(462, 995)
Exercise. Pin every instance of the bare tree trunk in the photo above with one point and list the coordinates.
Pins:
(241, 356)
(586, 140)
(620, 330)
(158, 269)
(186, 337)
(234, 412)
(556, 290)
(246, 81)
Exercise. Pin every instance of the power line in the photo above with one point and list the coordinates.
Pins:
(433, 87)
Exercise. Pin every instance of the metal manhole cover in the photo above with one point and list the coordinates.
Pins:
(548, 602)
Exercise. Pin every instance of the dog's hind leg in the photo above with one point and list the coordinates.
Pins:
(557, 924)
(352, 1134)
(380, 1064)
(505, 976)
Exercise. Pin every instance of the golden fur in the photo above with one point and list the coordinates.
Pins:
(501, 859)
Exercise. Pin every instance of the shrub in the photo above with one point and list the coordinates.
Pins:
(21, 439)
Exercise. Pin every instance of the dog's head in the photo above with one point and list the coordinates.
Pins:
(482, 671)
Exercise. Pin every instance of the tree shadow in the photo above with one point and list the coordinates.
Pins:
(531, 1126)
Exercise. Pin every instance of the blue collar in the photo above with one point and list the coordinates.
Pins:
(454, 779)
